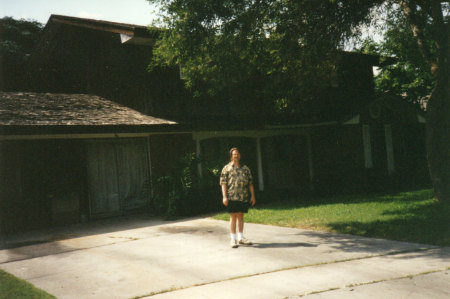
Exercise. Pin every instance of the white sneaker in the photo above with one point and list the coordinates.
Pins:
(244, 241)
(234, 243)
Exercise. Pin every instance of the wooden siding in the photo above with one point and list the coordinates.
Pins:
(286, 162)
(10, 187)
(41, 183)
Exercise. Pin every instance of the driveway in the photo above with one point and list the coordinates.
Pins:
(148, 258)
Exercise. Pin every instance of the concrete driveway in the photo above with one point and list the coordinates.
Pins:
(143, 258)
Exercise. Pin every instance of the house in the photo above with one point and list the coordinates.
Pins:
(69, 157)
(346, 140)
(98, 126)
(108, 59)
(380, 146)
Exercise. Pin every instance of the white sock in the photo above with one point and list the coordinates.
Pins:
(233, 236)
(240, 236)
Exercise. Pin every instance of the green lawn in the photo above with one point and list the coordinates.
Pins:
(13, 287)
(405, 216)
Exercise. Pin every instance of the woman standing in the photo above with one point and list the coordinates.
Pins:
(237, 182)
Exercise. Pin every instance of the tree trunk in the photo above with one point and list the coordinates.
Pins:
(438, 139)
(438, 108)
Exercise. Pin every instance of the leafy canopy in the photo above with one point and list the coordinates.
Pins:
(410, 77)
(276, 49)
(18, 38)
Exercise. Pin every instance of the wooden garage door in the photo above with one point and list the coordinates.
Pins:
(117, 174)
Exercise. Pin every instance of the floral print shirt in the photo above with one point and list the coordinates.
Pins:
(237, 180)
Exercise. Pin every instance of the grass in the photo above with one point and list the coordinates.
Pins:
(13, 287)
(404, 216)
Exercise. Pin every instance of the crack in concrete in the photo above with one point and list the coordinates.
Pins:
(292, 268)
(373, 282)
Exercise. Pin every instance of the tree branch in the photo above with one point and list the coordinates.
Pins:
(443, 29)
(410, 11)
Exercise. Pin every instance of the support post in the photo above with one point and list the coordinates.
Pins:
(389, 149)
(310, 162)
(260, 164)
(150, 172)
(198, 154)
(368, 162)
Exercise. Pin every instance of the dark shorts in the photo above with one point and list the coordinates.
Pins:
(238, 206)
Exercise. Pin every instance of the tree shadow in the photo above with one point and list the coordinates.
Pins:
(308, 201)
(442, 253)
(425, 224)
(358, 244)
(282, 245)
(37, 243)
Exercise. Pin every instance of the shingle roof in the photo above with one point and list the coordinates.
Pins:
(101, 25)
(133, 34)
(41, 109)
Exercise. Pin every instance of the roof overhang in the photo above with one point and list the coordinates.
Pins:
(85, 132)
(129, 33)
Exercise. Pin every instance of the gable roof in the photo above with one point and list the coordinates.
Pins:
(129, 33)
(48, 109)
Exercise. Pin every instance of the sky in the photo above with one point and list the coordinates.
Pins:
(138, 12)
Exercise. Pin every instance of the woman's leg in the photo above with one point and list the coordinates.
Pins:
(240, 222)
(233, 220)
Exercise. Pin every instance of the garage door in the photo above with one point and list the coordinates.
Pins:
(117, 176)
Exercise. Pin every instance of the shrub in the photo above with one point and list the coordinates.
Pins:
(181, 193)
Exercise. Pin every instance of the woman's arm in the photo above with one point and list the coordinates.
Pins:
(224, 195)
(252, 192)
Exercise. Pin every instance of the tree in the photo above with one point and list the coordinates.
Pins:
(18, 38)
(276, 52)
(409, 77)
(438, 107)
(291, 44)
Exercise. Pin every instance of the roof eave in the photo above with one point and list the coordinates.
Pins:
(7, 130)
(134, 31)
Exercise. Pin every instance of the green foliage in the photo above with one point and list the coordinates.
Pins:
(272, 54)
(410, 77)
(13, 287)
(411, 216)
(180, 193)
(18, 38)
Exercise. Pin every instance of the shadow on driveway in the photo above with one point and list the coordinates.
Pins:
(281, 245)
